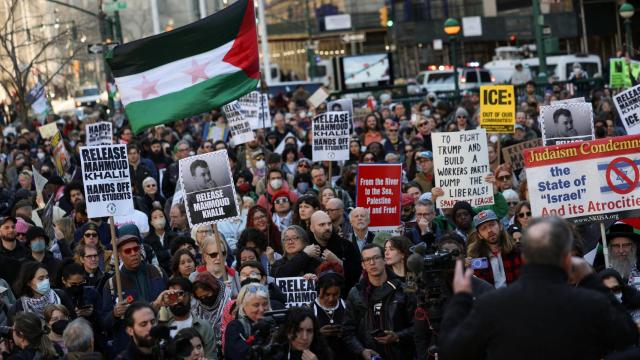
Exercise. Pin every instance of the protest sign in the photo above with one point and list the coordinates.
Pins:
(99, 134)
(628, 105)
(379, 189)
(565, 123)
(585, 181)
(250, 106)
(48, 131)
(238, 126)
(498, 108)
(619, 74)
(342, 105)
(318, 97)
(461, 162)
(514, 154)
(61, 157)
(107, 185)
(331, 136)
(39, 180)
(568, 101)
(264, 116)
(297, 290)
(209, 193)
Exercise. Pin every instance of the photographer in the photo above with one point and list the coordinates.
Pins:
(379, 312)
(302, 333)
(253, 302)
(31, 340)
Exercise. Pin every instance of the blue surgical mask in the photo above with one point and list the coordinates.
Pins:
(43, 287)
(303, 187)
(38, 246)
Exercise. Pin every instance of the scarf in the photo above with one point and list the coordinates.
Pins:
(213, 313)
(139, 278)
(37, 306)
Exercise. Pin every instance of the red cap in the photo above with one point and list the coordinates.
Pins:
(406, 200)
(280, 193)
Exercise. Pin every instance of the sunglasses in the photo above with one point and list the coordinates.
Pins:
(281, 200)
(523, 214)
(303, 165)
(214, 255)
(504, 178)
(91, 234)
(393, 130)
(131, 250)
(512, 203)
(422, 124)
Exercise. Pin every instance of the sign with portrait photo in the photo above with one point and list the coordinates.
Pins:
(210, 195)
(565, 123)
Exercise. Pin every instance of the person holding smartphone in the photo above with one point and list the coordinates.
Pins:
(328, 308)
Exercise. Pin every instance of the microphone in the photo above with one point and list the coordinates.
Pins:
(420, 248)
(415, 262)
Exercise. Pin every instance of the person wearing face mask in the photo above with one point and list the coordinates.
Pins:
(211, 295)
(151, 197)
(159, 238)
(275, 183)
(181, 317)
(57, 318)
(626, 295)
(38, 242)
(302, 184)
(34, 292)
(243, 181)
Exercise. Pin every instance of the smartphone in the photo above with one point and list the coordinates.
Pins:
(173, 297)
(479, 263)
(377, 333)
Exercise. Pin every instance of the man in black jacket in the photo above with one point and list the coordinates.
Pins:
(335, 248)
(539, 316)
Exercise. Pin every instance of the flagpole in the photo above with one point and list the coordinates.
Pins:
(115, 258)
(264, 44)
(605, 248)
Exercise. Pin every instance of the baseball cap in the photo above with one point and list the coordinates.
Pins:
(483, 217)
(126, 239)
(520, 127)
(425, 155)
(4, 219)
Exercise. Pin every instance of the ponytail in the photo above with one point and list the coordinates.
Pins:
(46, 346)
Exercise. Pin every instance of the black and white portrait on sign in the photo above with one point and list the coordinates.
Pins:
(564, 123)
(209, 190)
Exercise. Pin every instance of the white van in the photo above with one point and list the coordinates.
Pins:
(442, 80)
(561, 66)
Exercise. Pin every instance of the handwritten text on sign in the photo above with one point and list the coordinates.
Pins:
(586, 181)
(379, 190)
(461, 162)
(239, 127)
(297, 290)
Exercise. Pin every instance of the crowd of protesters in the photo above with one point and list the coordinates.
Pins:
(58, 291)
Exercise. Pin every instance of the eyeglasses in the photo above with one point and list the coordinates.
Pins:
(282, 200)
(512, 203)
(93, 256)
(183, 149)
(131, 250)
(21, 234)
(303, 165)
(259, 217)
(422, 124)
(372, 259)
(214, 255)
(91, 234)
(393, 130)
(621, 246)
(523, 214)
(504, 178)
(291, 239)
(151, 185)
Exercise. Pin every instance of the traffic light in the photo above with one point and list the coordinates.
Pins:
(513, 39)
(384, 16)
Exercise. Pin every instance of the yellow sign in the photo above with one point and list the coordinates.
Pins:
(498, 108)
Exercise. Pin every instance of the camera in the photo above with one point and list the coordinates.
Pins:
(479, 263)
(6, 332)
(264, 332)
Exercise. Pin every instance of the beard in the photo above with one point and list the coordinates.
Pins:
(625, 264)
(146, 342)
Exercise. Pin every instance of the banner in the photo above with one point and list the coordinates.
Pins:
(209, 193)
(297, 290)
(379, 189)
(318, 97)
(238, 126)
(331, 136)
(498, 108)
(107, 185)
(628, 105)
(99, 134)
(61, 157)
(249, 105)
(565, 123)
(586, 181)
(514, 154)
(461, 162)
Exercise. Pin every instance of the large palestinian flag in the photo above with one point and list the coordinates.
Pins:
(189, 70)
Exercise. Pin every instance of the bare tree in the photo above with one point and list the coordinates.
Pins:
(24, 52)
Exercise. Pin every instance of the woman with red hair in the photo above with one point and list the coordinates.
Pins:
(258, 218)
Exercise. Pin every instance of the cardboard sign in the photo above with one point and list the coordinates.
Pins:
(249, 105)
(461, 162)
(39, 180)
(514, 154)
(586, 181)
(331, 136)
(498, 108)
(619, 72)
(264, 116)
(61, 157)
(628, 105)
(318, 97)
(379, 189)
(565, 123)
(238, 126)
(107, 185)
(48, 131)
(297, 290)
(99, 134)
(209, 192)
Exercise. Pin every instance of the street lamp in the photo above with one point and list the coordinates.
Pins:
(452, 28)
(626, 12)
